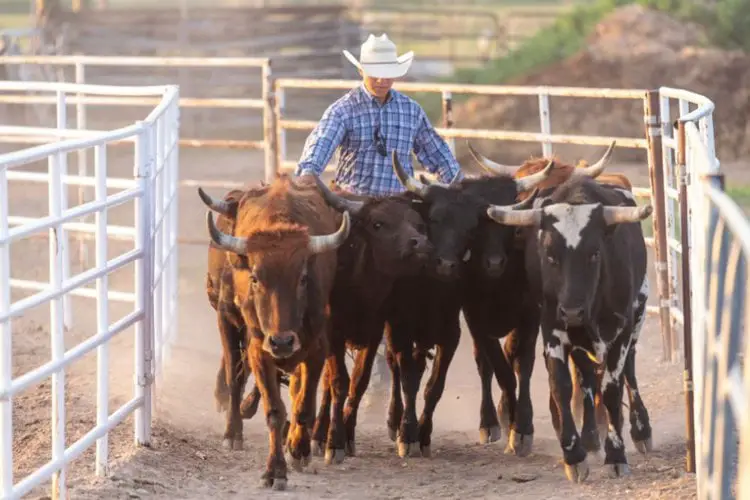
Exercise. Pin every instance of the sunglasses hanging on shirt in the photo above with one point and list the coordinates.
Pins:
(380, 143)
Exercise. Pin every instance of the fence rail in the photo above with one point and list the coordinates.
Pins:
(153, 193)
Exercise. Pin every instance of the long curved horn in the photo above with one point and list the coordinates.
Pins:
(320, 244)
(339, 203)
(509, 217)
(597, 168)
(223, 207)
(225, 241)
(410, 183)
(489, 165)
(527, 203)
(530, 181)
(620, 215)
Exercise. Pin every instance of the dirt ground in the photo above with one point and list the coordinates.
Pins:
(186, 460)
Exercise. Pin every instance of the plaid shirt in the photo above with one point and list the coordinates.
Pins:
(360, 125)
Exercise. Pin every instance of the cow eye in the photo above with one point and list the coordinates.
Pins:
(552, 260)
(254, 279)
(377, 225)
(594, 256)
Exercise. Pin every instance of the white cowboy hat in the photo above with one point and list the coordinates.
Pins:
(377, 58)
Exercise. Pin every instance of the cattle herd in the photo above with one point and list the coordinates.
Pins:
(298, 272)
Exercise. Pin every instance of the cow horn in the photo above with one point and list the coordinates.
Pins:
(489, 165)
(223, 207)
(320, 244)
(225, 241)
(619, 215)
(410, 183)
(339, 203)
(424, 180)
(530, 181)
(509, 217)
(527, 203)
(597, 168)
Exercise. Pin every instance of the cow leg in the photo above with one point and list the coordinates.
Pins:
(612, 388)
(400, 340)
(268, 383)
(435, 386)
(584, 391)
(221, 390)
(640, 424)
(303, 410)
(323, 420)
(360, 380)
(235, 380)
(505, 377)
(557, 349)
(336, 365)
(520, 348)
(396, 404)
(489, 427)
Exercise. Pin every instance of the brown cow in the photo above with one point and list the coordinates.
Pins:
(279, 271)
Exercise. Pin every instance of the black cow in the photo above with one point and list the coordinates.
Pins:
(586, 258)
(387, 240)
(424, 310)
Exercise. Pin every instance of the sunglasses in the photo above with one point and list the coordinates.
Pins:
(380, 143)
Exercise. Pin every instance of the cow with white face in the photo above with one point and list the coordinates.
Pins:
(586, 259)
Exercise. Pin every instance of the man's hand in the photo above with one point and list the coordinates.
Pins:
(306, 180)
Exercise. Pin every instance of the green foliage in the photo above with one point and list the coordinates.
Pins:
(727, 23)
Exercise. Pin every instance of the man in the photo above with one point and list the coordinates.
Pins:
(370, 121)
(366, 125)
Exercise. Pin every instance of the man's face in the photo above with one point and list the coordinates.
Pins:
(378, 87)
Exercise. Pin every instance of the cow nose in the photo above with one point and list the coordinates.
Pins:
(572, 316)
(446, 267)
(495, 263)
(282, 343)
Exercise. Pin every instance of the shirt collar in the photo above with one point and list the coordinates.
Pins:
(368, 97)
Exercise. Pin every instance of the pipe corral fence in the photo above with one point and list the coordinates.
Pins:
(152, 192)
(697, 230)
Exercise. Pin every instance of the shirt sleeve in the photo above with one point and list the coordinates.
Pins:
(433, 152)
(322, 143)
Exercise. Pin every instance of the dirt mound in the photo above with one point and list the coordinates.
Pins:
(634, 47)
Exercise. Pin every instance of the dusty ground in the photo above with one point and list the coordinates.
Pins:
(186, 460)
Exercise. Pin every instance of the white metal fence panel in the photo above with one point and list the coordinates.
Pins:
(152, 190)
(722, 247)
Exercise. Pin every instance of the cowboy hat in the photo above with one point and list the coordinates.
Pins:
(378, 59)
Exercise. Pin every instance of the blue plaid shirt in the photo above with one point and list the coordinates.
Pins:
(358, 123)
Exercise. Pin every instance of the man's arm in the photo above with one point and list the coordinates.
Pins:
(433, 152)
(321, 143)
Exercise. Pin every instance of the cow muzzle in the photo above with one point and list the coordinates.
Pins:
(571, 316)
(419, 248)
(281, 345)
(495, 265)
(446, 268)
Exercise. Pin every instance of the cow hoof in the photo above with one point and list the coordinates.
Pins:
(334, 456)
(296, 463)
(351, 449)
(279, 484)
(577, 473)
(644, 446)
(317, 448)
(426, 451)
(393, 434)
(231, 444)
(591, 441)
(618, 470)
(490, 435)
(519, 445)
(408, 449)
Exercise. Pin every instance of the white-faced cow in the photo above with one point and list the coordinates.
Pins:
(587, 255)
